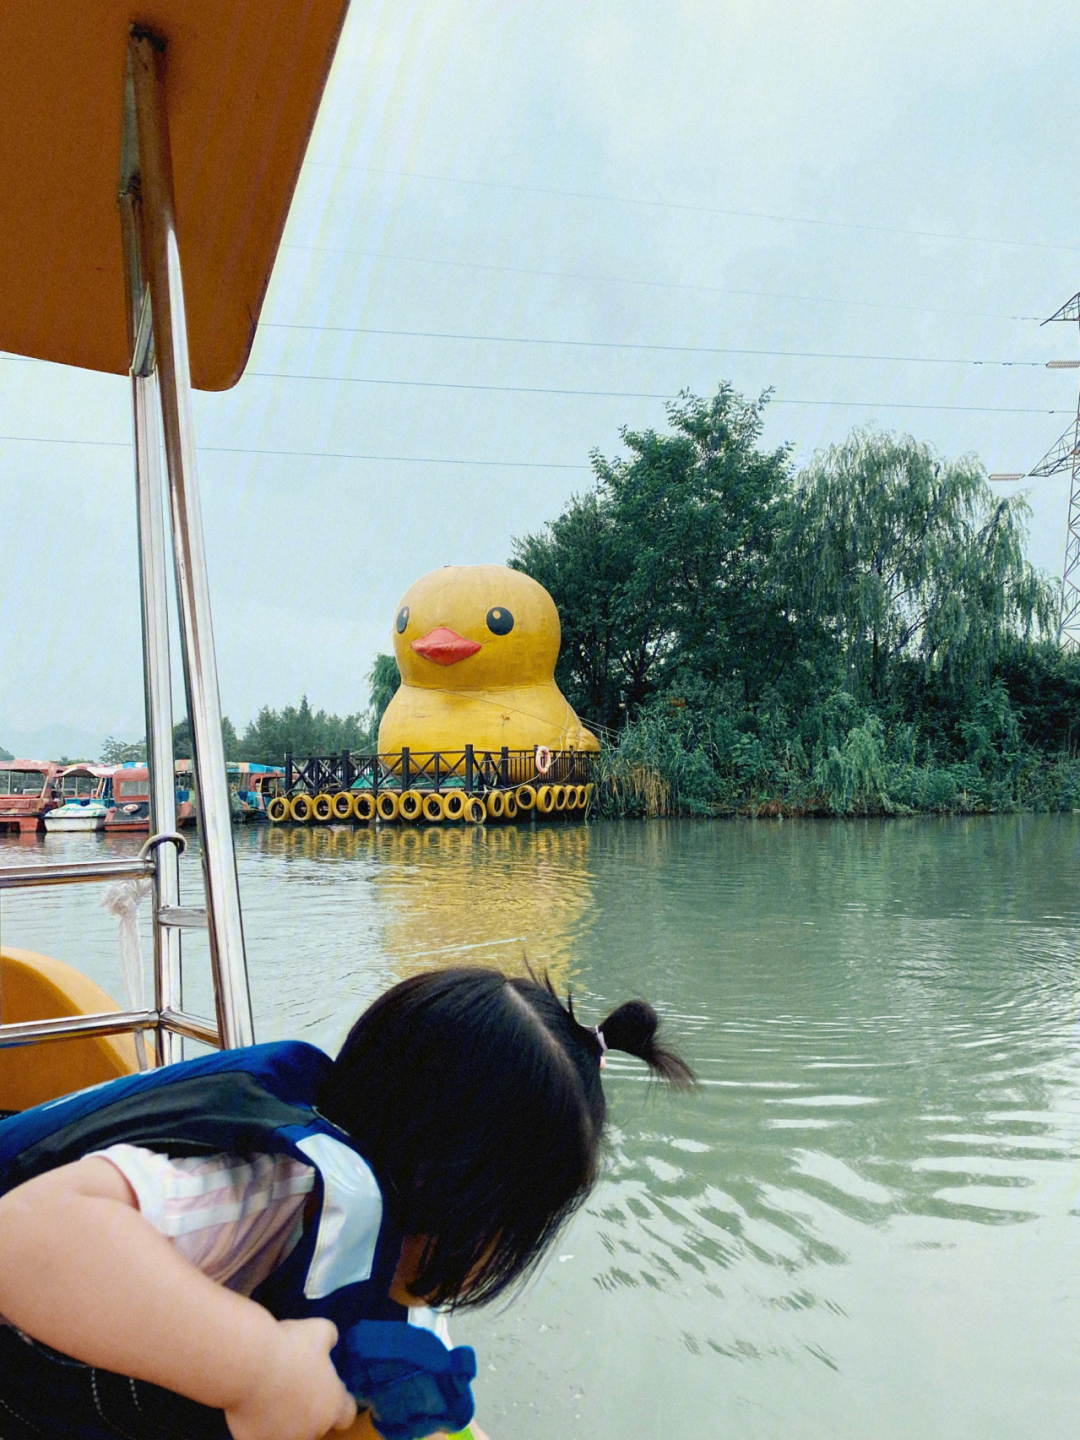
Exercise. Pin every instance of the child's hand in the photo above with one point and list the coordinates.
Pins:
(298, 1395)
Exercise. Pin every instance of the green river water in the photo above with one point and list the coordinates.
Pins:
(865, 1223)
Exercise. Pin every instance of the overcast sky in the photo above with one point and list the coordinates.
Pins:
(503, 208)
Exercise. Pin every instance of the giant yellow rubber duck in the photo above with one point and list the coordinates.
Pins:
(476, 646)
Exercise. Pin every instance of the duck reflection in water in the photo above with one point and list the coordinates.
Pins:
(476, 895)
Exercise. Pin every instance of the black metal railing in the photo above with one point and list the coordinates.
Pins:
(471, 770)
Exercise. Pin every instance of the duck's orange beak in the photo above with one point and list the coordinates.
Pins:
(444, 647)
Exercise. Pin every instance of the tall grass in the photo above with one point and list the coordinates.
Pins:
(836, 761)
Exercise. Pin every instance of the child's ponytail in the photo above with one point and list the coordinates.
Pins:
(633, 1027)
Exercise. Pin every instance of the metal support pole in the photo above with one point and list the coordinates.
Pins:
(153, 586)
(162, 258)
(159, 712)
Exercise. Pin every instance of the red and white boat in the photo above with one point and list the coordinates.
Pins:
(28, 791)
(130, 808)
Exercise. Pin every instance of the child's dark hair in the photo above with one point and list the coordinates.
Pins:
(477, 1100)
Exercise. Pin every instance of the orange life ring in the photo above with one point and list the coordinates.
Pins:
(543, 759)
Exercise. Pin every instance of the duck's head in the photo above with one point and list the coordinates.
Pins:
(470, 627)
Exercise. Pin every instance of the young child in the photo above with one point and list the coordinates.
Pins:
(179, 1250)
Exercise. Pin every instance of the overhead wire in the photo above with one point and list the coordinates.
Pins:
(641, 345)
(651, 284)
(636, 394)
(688, 208)
(310, 454)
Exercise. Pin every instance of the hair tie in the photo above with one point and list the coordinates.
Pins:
(603, 1045)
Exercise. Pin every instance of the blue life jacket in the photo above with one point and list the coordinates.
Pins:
(257, 1100)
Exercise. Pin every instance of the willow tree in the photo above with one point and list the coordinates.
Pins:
(904, 556)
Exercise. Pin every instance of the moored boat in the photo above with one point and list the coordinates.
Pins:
(130, 808)
(186, 815)
(254, 786)
(86, 795)
(28, 792)
(251, 788)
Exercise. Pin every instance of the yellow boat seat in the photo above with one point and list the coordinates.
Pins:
(36, 987)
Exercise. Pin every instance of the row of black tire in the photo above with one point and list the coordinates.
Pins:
(432, 806)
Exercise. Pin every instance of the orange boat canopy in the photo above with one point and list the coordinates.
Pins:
(243, 82)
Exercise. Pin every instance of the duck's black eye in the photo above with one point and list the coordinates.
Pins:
(500, 621)
(403, 619)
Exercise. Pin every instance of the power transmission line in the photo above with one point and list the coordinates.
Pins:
(629, 394)
(649, 284)
(687, 208)
(640, 345)
(310, 454)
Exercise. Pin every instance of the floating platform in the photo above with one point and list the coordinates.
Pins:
(436, 787)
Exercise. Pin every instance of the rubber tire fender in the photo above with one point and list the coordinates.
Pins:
(545, 800)
(509, 805)
(494, 804)
(475, 810)
(525, 796)
(411, 806)
(364, 805)
(433, 808)
(300, 808)
(453, 804)
(387, 805)
(322, 808)
(343, 805)
(277, 812)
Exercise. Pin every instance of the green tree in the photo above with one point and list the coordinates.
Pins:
(662, 572)
(6, 754)
(903, 556)
(182, 744)
(122, 752)
(298, 730)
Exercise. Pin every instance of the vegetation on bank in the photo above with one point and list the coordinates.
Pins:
(862, 637)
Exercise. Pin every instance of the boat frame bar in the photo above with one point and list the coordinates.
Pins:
(161, 402)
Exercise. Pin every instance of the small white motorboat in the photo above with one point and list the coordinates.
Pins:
(86, 792)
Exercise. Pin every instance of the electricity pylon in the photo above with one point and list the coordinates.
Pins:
(1065, 455)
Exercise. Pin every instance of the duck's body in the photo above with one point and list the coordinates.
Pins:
(519, 717)
(476, 646)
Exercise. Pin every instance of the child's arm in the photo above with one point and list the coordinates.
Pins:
(84, 1272)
